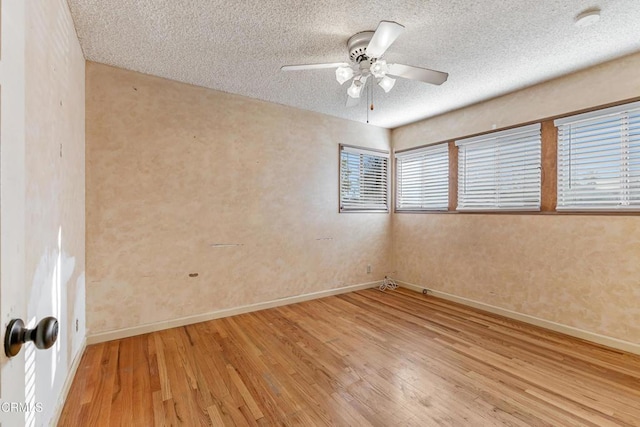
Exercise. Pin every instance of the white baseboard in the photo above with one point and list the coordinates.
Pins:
(67, 383)
(547, 324)
(167, 324)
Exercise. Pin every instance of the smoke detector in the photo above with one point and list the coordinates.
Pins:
(588, 17)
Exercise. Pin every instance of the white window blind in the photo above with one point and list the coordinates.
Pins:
(501, 170)
(422, 178)
(599, 160)
(363, 180)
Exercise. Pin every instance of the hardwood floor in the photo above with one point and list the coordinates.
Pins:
(365, 358)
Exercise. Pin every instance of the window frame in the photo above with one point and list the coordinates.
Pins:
(549, 136)
(495, 139)
(598, 116)
(387, 189)
(442, 146)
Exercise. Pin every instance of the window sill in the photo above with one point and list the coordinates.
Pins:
(542, 213)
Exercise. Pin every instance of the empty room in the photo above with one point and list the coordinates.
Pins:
(320, 213)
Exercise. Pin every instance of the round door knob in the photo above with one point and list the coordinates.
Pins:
(44, 335)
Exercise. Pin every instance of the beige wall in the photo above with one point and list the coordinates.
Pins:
(579, 270)
(173, 169)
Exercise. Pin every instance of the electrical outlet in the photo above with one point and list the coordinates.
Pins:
(368, 268)
(77, 323)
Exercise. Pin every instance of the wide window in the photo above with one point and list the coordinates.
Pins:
(500, 170)
(364, 178)
(599, 160)
(423, 179)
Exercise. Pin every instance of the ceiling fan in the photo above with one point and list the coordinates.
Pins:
(365, 51)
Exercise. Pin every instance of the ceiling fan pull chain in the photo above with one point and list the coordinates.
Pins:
(368, 95)
(371, 88)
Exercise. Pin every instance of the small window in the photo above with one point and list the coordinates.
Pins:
(599, 160)
(423, 179)
(500, 171)
(364, 180)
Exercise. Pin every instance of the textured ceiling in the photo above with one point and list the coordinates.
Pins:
(488, 47)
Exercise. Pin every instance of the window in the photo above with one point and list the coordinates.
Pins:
(599, 160)
(423, 179)
(363, 180)
(500, 170)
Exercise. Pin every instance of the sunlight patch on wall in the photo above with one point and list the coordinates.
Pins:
(30, 379)
(49, 298)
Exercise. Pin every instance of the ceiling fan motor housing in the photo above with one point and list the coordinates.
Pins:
(357, 46)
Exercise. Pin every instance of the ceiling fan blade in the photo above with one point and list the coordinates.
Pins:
(386, 33)
(352, 102)
(417, 73)
(313, 66)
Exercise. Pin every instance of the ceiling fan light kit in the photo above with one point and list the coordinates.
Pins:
(386, 83)
(356, 86)
(379, 68)
(344, 74)
(355, 89)
(365, 51)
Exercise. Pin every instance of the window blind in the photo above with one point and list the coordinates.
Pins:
(422, 178)
(363, 180)
(501, 170)
(599, 160)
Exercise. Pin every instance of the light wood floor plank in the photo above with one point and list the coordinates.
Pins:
(367, 358)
